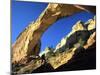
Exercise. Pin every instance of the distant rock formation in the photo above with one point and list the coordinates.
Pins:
(25, 51)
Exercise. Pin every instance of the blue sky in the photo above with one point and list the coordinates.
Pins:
(25, 12)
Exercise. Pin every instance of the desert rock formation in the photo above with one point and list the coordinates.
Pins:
(29, 38)
(28, 43)
(64, 54)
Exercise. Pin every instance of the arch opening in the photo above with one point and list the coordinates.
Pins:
(53, 35)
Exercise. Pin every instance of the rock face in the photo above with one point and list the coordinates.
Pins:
(31, 66)
(80, 37)
(91, 24)
(78, 26)
(25, 51)
(90, 41)
(76, 51)
(28, 43)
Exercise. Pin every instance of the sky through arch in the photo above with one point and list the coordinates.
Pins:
(25, 12)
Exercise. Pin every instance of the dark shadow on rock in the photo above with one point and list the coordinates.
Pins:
(82, 60)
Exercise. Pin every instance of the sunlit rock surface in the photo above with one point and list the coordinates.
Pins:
(25, 50)
(27, 41)
(91, 24)
(76, 48)
(29, 38)
(80, 38)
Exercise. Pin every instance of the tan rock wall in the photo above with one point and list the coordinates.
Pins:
(26, 43)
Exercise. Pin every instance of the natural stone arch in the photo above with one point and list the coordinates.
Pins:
(29, 38)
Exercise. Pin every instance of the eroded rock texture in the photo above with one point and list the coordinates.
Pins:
(79, 38)
(76, 51)
(29, 38)
(28, 43)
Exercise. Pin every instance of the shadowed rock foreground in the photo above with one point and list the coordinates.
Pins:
(76, 51)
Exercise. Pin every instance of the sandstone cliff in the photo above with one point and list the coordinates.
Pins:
(28, 43)
(76, 51)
